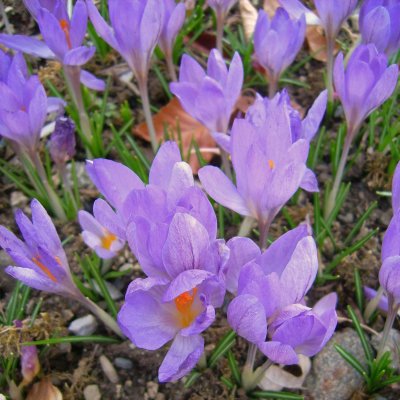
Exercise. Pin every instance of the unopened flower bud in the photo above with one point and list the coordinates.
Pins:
(62, 141)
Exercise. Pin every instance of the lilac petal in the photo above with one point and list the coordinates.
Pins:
(175, 23)
(102, 28)
(190, 71)
(90, 223)
(26, 44)
(234, 80)
(186, 246)
(163, 163)
(376, 28)
(79, 55)
(78, 25)
(396, 189)
(113, 180)
(370, 294)
(216, 67)
(55, 105)
(8, 241)
(247, 318)
(242, 250)
(279, 353)
(391, 243)
(223, 140)
(181, 179)
(92, 82)
(311, 122)
(184, 282)
(339, 77)
(108, 218)
(389, 276)
(145, 320)
(181, 358)
(222, 190)
(37, 110)
(201, 323)
(296, 9)
(309, 181)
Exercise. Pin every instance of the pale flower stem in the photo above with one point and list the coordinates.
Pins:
(171, 66)
(330, 47)
(144, 93)
(62, 173)
(226, 165)
(339, 176)
(220, 31)
(3, 14)
(272, 87)
(101, 314)
(373, 304)
(53, 198)
(246, 226)
(393, 309)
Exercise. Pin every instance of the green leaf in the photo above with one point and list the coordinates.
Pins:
(73, 339)
(223, 346)
(350, 359)
(275, 395)
(192, 378)
(234, 367)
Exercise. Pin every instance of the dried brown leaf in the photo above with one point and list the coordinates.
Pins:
(270, 7)
(249, 14)
(317, 43)
(44, 390)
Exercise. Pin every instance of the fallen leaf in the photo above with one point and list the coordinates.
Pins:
(180, 125)
(249, 14)
(276, 377)
(317, 43)
(44, 390)
(270, 7)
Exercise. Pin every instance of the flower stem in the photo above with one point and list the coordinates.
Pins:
(171, 66)
(226, 165)
(220, 30)
(392, 313)
(339, 175)
(9, 28)
(144, 94)
(72, 75)
(272, 86)
(101, 314)
(62, 173)
(245, 227)
(330, 46)
(373, 304)
(53, 198)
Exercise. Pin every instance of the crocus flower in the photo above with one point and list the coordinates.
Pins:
(177, 302)
(370, 294)
(40, 260)
(30, 365)
(209, 96)
(104, 231)
(174, 19)
(277, 42)
(269, 165)
(62, 35)
(62, 141)
(221, 8)
(379, 25)
(24, 105)
(269, 309)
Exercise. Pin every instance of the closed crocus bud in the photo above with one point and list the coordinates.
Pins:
(62, 141)
(379, 24)
(30, 365)
(364, 85)
(277, 42)
(221, 6)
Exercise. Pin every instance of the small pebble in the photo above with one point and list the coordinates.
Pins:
(152, 389)
(114, 292)
(18, 199)
(83, 326)
(108, 369)
(123, 363)
(92, 392)
(126, 267)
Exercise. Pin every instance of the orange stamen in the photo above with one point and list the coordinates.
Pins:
(107, 240)
(183, 304)
(64, 24)
(44, 268)
(271, 164)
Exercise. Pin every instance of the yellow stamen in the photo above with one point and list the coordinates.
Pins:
(271, 164)
(64, 24)
(44, 268)
(107, 240)
(183, 304)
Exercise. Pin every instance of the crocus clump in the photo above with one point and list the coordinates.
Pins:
(269, 161)
(135, 30)
(209, 96)
(269, 310)
(277, 42)
(174, 18)
(379, 25)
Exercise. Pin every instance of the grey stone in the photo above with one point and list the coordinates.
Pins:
(152, 389)
(18, 200)
(108, 369)
(92, 392)
(114, 292)
(81, 175)
(331, 377)
(5, 259)
(392, 345)
(83, 326)
(123, 363)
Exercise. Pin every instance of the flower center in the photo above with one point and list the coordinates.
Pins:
(107, 240)
(271, 164)
(37, 261)
(183, 304)
(64, 24)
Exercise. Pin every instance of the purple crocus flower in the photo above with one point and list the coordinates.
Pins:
(370, 294)
(62, 35)
(40, 259)
(269, 309)
(62, 141)
(379, 24)
(375, 84)
(103, 232)
(174, 19)
(24, 105)
(209, 96)
(177, 302)
(30, 365)
(277, 42)
(269, 165)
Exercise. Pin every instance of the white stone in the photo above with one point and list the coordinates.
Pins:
(83, 326)
(92, 392)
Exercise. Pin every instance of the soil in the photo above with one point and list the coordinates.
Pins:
(72, 368)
